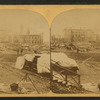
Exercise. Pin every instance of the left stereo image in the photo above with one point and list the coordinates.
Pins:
(24, 53)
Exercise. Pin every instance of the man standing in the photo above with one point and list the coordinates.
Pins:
(17, 51)
(21, 51)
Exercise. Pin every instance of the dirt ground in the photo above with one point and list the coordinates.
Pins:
(89, 68)
(9, 75)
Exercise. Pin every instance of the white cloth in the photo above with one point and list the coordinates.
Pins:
(43, 64)
(63, 60)
(58, 56)
(29, 57)
(20, 62)
(68, 63)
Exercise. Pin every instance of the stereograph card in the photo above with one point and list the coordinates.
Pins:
(49, 50)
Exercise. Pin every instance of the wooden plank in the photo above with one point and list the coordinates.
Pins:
(65, 69)
(75, 81)
(66, 80)
(60, 72)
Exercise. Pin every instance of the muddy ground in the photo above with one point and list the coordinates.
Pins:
(89, 68)
(9, 75)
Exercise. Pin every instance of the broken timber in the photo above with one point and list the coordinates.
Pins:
(64, 75)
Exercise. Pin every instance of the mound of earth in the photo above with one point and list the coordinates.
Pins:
(9, 75)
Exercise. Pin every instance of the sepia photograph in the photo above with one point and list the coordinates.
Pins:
(75, 52)
(49, 50)
(24, 52)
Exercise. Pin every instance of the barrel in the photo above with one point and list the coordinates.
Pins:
(14, 87)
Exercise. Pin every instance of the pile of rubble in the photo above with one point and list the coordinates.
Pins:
(15, 89)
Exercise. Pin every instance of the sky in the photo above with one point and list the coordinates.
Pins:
(19, 21)
(11, 21)
(75, 19)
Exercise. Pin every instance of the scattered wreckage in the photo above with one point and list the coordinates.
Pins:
(34, 62)
(64, 70)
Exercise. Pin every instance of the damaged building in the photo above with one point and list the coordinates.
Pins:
(27, 39)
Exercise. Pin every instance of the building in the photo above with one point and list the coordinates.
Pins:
(74, 36)
(80, 35)
(27, 39)
(57, 40)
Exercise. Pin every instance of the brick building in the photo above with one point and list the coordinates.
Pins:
(27, 39)
(80, 35)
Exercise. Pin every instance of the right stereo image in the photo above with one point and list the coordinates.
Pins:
(75, 52)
